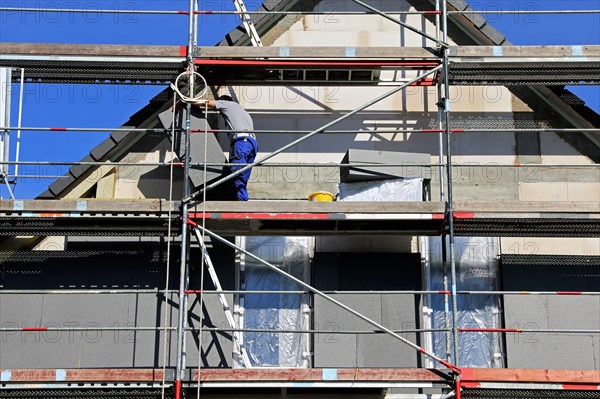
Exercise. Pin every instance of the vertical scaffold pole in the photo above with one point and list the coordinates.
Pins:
(185, 240)
(450, 209)
(441, 37)
(440, 105)
(195, 24)
(440, 109)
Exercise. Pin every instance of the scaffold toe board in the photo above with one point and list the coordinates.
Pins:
(321, 218)
(527, 218)
(87, 217)
(94, 64)
(487, 379)
(472, 218)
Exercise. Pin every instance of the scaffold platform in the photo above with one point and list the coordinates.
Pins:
(468, 65)
(150, 217)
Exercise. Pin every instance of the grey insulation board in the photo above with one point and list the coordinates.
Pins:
(73, 348)
(552, 350)
(398, 312)
(217, 345)
(339, 350)
(214, 152)
(413, 165)
(357, 271)
(382, 350)
(122, 348)
(332, 349)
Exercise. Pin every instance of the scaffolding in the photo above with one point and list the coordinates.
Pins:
(440, 67)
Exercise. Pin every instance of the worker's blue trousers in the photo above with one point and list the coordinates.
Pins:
(243, 151)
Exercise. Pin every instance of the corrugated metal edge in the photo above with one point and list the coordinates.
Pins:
(549, 260)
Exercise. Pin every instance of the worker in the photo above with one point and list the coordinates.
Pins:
(243, 142)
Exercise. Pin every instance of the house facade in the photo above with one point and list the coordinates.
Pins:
(393, 273)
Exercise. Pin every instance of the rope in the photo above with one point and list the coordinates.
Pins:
(204, 177)
(194, 98)
(169, 238)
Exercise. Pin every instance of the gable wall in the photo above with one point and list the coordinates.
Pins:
(472, 107)
(485, 107)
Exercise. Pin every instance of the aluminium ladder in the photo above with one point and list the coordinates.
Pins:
(247, 22)
(224, 303)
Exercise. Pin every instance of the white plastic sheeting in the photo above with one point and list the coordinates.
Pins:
(382, 190)
(276, 311)
(477, 270)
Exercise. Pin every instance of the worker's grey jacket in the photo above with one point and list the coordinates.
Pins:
(237, 119)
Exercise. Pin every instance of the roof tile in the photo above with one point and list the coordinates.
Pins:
(78, 170)
(99, 152)
(496, 37)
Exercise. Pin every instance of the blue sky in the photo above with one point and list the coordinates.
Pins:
(110, 106)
